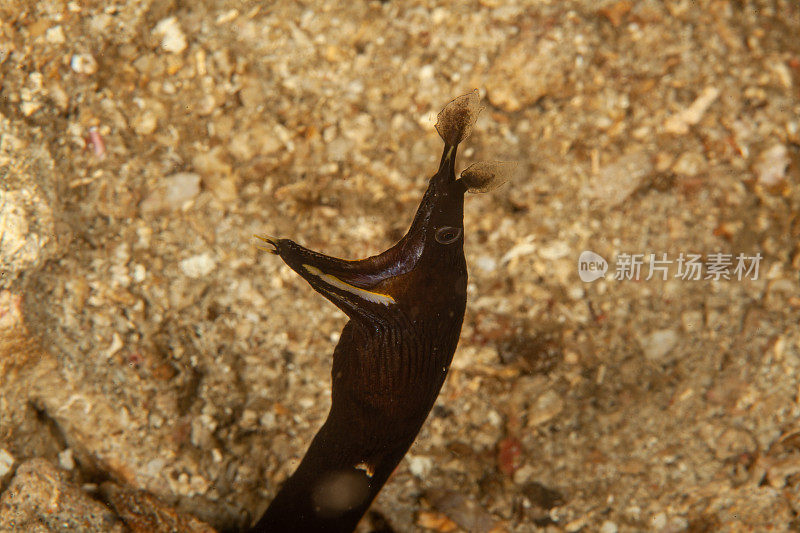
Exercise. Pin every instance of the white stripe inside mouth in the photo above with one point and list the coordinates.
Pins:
(333, 281)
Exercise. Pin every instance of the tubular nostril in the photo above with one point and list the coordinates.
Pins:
(454, 123)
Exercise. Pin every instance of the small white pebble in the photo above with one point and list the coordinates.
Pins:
(83, 64)
(249, 418)
(55, 35)
(486, 263)
(576, 525)
(678, 523)
(29, 108)
(116, 345)
(518, 250)
(689, 164)
(145, 122)
(198, 266)
(155, 420)
(198, 484)
(6, 462)
(575, 292)
(494, 418)
(659, 343)
(659, 521)
(524, 474)
(307, 403)
(172, 37)
(426, 72)
(545, 408)
(268, 420)
(679, 122)
(154, 467)
(227, 16)
(634, 512)
(181, 188)
(66, 460)
(771, 165)
(124, 417)
(439, 15)
(419, 466)
(608, 527)
(139, 273)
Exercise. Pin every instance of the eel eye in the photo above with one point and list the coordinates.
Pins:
(447, 234)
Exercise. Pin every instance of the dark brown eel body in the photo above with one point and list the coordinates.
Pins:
(406, 307)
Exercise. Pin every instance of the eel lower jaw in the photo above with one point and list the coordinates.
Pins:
(348, 286)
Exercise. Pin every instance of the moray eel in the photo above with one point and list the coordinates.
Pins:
(406, 306)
